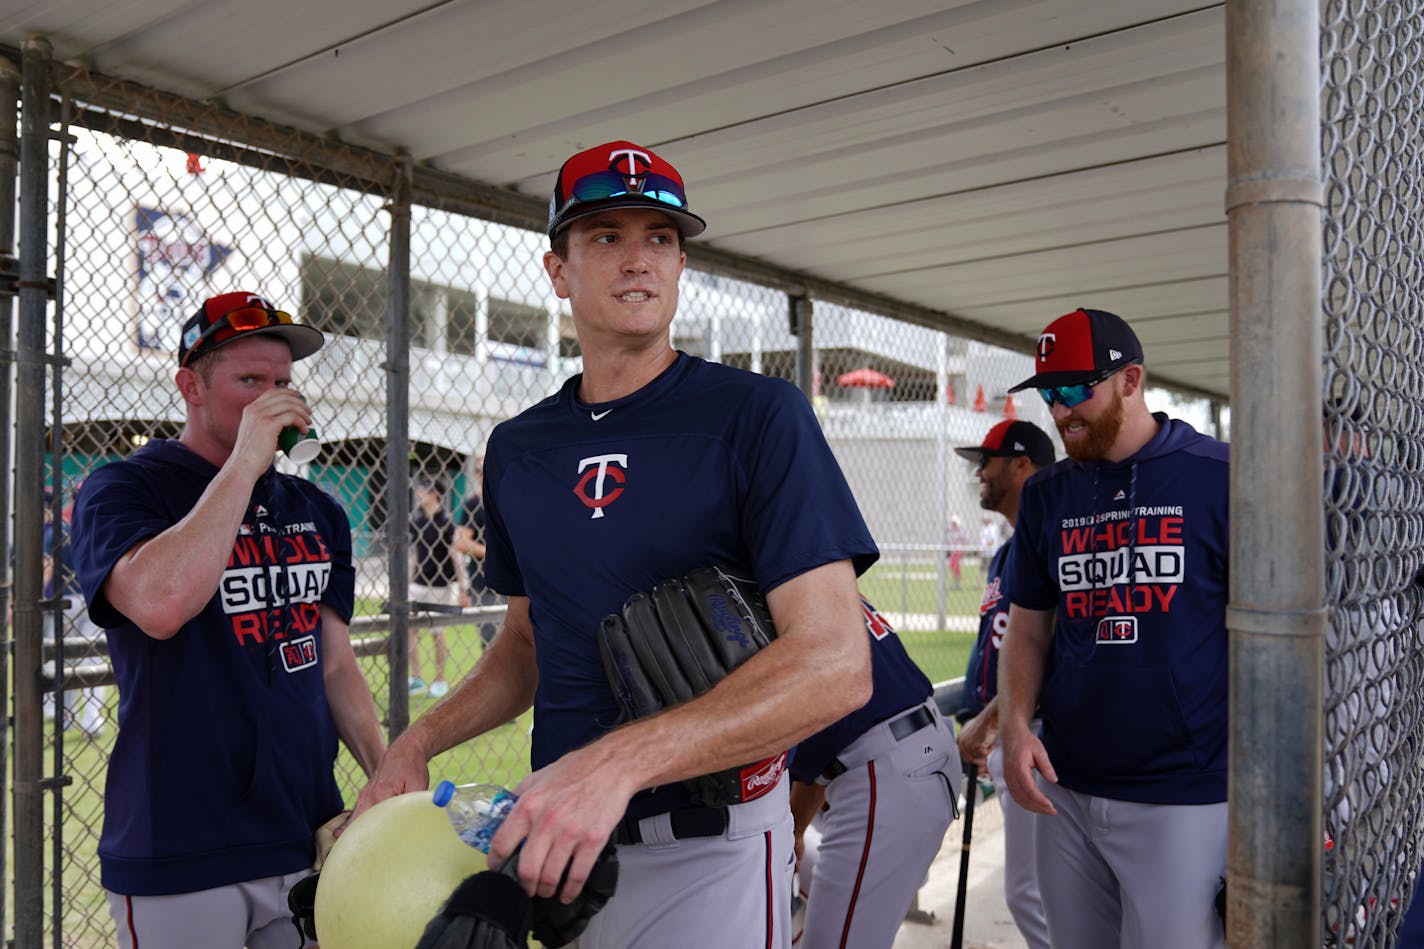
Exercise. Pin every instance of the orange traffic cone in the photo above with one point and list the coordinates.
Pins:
(1009, 412)
(980, 403)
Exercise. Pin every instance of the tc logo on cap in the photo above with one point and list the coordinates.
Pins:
(1045, 345)
(639, 164)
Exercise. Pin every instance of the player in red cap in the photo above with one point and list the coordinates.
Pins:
(1008, 456)
(647, 465)
(1117, 579)
(226, 589)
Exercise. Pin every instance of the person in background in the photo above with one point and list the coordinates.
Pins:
(880, 786)
(437, 575)
(470, 541)
(955, 540)
(990, 538)
(1008, 456)
(84, 707)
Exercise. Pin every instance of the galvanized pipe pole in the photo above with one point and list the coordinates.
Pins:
(1276, 616)
(9, 172)
(29, 475)
(398, 449)
(802, 326)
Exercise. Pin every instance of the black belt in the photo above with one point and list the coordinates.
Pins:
(686, 822)
(900, 729)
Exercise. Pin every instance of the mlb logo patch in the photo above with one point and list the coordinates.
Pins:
(298, 654)
(1117, 629)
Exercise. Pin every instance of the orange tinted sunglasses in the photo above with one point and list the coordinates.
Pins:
(244, 319)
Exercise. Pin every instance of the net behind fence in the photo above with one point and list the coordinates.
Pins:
(1372, 68)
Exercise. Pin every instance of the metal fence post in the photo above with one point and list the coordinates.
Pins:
(398, 448)
(29, 470)
(802, 328)
(1276, 618)
(941, 499)
(9, 169)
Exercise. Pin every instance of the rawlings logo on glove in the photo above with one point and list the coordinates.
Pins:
(675, 643)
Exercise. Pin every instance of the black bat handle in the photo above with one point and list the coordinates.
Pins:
(971, 794)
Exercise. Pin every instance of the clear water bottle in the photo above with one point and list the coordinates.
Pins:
(475, 810)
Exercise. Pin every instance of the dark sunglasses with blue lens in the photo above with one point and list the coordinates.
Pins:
(610, 184)
(1069, 396)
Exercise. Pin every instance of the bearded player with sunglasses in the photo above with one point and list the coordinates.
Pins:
(226, 589)
(649, 465)
(1117, 580)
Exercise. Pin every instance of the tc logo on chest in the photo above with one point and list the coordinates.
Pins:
(602, 481)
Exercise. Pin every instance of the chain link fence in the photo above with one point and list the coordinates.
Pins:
(156, 203)
(1372, 64)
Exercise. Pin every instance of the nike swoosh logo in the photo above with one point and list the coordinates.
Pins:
(598, 415)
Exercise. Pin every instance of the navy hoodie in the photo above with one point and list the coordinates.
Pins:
(1132, 556)
(222, 769)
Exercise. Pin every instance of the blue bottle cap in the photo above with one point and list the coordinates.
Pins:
(444, 791)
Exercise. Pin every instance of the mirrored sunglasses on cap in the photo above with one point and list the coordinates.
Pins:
(1069, 396)
(244, 319)
(602, 185)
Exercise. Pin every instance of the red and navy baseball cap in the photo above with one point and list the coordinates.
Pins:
(1082, 347)
(1009, 439)
(619, 175)
(229, 316)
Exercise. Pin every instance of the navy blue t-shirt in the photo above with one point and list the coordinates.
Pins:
(1133, 558)
(981, 674)
(588, 504)
(222, 768)
(898, 685)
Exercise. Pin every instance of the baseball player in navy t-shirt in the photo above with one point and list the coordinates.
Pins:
(1117, 576)
(226, 589)
(882, 780)
(647, 465)
(1008, 456)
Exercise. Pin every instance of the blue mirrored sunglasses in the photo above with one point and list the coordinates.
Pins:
(602, 185)
(1069, 396)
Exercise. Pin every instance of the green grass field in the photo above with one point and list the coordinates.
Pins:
(500, 756)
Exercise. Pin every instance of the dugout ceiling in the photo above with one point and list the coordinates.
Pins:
(984, 166)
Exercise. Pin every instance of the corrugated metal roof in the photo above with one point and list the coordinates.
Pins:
(998, 162)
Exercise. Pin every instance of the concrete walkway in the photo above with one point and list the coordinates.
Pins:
(987, 923)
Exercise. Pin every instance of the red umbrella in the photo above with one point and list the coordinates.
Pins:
(865, 378)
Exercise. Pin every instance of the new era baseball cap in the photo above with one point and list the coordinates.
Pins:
(619, 175)
(229, 316)
(1011, 438)
(1082, 346)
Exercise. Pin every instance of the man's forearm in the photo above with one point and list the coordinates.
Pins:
(197, 548)
(348, 694)
(499, 689)
(353, 711)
